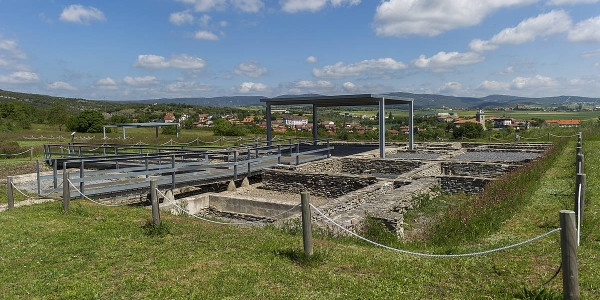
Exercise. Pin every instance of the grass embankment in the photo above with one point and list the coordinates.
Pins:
(99, 252)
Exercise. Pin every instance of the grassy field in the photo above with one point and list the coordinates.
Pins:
(98, 252)
(525, 115)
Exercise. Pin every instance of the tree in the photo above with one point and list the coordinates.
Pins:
(223, 127)
(87, 121)
(57, 115)
(169, 130)
(468, 130)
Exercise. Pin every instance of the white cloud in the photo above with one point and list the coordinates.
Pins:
(181, 61)
(188, 86)
(106, 84)
(140, 81)
(249, 6)
(11, 56)
(507, 70)
(570, 2)
(402, 18)
(250, 68)
(223, 23)
(372, 66)
(350, 87)
(586, 31)
(206, 5)
(181, 18)
(493, 85)
(61, 85)
(20, 77)
(205, 35)
(252, 87)
(307, 86)
(293, 6)
(311, 59)
(444, 60)
(450, 87)
(590, 54)
(554, 22)
(532, 82)
(78, 13)
(204, 21)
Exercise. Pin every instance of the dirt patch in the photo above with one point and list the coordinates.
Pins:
(20, 168)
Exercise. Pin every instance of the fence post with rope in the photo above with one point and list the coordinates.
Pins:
(579, 163)
(568, 247)
(9, 192)
(66, 190)
(155, 203)
(306, 224)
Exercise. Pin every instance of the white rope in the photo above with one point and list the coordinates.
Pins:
(17, 153)
(90, 199)
(431, 255)
(563, 136)
(26, 196)
(579, 215)
(225, 223)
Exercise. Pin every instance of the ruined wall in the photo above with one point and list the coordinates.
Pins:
(360, 166)
(475, 169)
(326, 185)
(374, 166)
(468, 185)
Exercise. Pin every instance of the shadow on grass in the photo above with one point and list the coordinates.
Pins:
(298, 256)
(152, 229)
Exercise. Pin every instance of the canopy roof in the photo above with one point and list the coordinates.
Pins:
(152, 124)
(339, 100)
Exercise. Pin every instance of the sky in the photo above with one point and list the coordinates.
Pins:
(147, 49)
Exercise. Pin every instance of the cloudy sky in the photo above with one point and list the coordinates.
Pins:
(144, 49)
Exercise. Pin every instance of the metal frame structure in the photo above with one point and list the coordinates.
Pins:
(138, 125)
(346, 100)
(105, 170)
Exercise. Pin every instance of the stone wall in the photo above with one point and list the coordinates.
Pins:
(466, 184)
(375, 166)
(476, 169)
(326, 185)
(360, 166)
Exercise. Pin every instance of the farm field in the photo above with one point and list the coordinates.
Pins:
(103, 252)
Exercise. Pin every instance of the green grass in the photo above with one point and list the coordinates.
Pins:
(100, 252)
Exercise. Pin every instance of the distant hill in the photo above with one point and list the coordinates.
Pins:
(72, 104)
(233, 101)
(421, 101)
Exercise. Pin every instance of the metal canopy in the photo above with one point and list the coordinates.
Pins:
(137, 125)
(151, 124)
(346, 100)
(339, 100)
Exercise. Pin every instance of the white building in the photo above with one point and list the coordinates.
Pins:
(295, 120)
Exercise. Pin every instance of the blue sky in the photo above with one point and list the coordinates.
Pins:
(127, 50)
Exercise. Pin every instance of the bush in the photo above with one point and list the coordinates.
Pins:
(87, 121)
(469, 130)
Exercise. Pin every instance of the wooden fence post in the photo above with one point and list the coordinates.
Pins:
(9, 192)
(155, 203)
(66, 190)
(568, 246)
(548, 136)
(306, 224)
(31, 154)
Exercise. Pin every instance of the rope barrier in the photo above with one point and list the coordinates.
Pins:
(225, 223)
(26, 196)
(431, 255)
(17, 153)
(90, 199)
(563, 136)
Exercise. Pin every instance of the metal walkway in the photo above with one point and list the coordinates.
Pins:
(105, 170)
